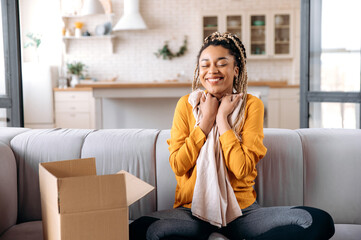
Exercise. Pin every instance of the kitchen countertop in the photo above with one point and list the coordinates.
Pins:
(69, 89)
(90, 86)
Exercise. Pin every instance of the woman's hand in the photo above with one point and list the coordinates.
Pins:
(228, 104)
(209, 107)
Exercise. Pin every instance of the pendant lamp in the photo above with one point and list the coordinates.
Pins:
(131, 19)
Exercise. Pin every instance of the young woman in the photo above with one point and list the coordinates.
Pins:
(216, 142)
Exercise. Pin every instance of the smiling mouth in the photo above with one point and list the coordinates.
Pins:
(214, 80)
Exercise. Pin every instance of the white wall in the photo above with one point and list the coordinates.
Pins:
(39, 68)
(41, 17)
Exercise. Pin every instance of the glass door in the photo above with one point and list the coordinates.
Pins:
(282, 36)
(330, 64)
(11, 113)
(234, 25)
(258, 35)
(210, 25)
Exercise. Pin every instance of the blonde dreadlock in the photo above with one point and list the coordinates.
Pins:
(236, 48)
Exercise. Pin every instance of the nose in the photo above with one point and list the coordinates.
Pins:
(213, 69)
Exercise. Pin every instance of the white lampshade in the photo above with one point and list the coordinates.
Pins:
(91, 7)
(131, 19)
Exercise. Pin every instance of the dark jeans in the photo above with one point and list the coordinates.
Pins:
(255, 223)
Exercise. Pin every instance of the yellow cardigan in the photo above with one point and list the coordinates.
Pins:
(240, 157)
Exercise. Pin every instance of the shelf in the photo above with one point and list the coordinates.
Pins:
(210, 28)
(258, 27)
(111, 38)
(258, 42)
(282, 26)
(89, 37)
(282, 42)
(84, 16)
(234, 27)
(95, 20)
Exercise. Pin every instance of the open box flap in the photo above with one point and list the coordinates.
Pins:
(135, 187)
(71, 168)
(48, 188)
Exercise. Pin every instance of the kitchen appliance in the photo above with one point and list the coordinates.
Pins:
(131, 19)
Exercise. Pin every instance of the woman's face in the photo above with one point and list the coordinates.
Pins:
(217, 70)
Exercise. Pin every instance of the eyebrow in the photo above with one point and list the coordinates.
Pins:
(206, 59)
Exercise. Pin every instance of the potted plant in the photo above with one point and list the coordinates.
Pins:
(76, 70)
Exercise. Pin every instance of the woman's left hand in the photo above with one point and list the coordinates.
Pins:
(228, 104)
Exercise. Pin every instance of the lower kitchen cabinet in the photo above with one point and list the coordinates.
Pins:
(284, 108)
(74, 108)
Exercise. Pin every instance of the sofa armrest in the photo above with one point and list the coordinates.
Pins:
(8, 188)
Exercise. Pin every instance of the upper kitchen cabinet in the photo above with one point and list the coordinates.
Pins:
(258, 36)
(232, 23)
(266, 34)
(270, 35)
(282, 35)
(87, 28)
(210, 25)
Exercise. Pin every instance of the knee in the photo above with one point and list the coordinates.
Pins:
(322, 225)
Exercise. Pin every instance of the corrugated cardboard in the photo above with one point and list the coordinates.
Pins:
(77, 204)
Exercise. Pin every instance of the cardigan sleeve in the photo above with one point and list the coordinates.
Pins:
(241, 157)
(184, 144)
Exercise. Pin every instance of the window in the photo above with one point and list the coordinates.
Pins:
(330, 64)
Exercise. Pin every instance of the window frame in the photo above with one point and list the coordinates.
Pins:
(13, 100)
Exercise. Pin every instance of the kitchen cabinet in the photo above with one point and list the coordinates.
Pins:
(266, 34)
(99, 26)
(270, 34)
(74, 108)
(233, 23)
(283, 108)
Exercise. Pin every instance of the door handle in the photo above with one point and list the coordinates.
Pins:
(4, 119)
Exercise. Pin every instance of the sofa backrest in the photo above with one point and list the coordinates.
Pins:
(280, 172)
(166, 182)
(332, 178)
(312, 167)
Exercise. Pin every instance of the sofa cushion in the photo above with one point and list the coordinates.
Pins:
(132, 150)
(332, 163)
(33, 147)
(166, 182)
(8, 188)
(347, 231)
(24, 231)
(280, 172)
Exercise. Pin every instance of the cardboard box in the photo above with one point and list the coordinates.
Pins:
(77, 204)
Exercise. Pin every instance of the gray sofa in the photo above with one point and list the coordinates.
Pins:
(313, 167)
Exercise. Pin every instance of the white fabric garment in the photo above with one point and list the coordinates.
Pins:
(214, 200)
